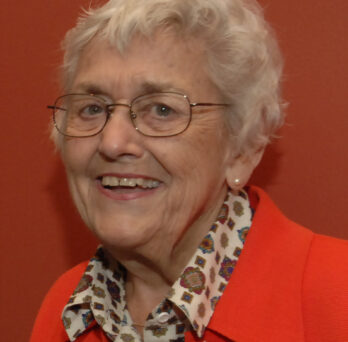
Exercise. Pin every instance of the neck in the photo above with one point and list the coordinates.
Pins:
(153, 268)
(143, 296)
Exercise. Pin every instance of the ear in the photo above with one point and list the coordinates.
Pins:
(241, 167)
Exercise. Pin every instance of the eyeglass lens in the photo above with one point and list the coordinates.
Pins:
(158, 114)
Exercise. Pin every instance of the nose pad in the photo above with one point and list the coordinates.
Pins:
(133, 117)
(119, 136)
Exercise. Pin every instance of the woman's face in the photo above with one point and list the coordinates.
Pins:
(189, 170)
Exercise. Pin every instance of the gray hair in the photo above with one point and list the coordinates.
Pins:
(243, 58)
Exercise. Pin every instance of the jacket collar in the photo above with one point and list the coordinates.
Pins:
(262, 301)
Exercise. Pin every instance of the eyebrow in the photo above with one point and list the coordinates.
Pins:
(90, 88)
(156, 87)
(145, 87)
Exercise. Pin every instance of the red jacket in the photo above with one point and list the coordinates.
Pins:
(290, 285)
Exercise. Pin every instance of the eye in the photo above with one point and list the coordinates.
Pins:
(91, 110)
(162, 110)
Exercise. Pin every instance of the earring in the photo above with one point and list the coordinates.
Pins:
(236, 181)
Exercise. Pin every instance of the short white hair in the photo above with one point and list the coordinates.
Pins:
(243, 58)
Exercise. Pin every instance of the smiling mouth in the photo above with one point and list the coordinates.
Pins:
(117, 183)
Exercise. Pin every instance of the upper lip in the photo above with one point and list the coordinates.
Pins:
(126, 175)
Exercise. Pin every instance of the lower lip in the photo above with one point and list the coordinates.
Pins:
(126, 195)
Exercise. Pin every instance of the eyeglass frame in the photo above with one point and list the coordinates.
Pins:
(132, 114)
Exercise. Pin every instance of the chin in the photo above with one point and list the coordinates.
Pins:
(116, 233)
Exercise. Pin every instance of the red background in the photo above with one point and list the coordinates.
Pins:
(41, 235)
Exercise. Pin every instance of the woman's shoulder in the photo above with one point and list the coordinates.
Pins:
(327, 263)
(325, 289)
(48, 325)
(66, 284)
(331, 244)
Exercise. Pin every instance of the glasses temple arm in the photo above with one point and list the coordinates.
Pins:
(55, 108)
(208, 104)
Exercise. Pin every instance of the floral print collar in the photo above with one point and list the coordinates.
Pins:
(190, 304)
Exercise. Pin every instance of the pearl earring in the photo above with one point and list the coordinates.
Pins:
(237, 181)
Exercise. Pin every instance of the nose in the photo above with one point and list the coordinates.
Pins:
(119, 138)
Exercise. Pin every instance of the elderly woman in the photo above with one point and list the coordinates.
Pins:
(167, 108)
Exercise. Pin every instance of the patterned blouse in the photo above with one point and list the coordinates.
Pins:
(190, 303)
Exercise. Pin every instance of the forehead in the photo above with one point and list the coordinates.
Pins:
(160, 62)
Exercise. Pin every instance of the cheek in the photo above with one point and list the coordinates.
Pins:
(76, 155)
(193, 157)
(208, 148)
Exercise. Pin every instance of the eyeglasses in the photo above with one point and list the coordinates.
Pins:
(155, 114)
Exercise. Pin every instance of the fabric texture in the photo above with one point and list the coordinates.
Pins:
(289, 285)
(190, 303)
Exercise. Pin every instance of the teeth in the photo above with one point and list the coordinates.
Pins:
(129, 182)
(140, 181)
(110, 181)
(154, 184)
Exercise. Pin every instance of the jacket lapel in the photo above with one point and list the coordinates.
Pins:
(262, 301)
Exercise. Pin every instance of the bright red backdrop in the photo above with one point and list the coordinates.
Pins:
(41, 234)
